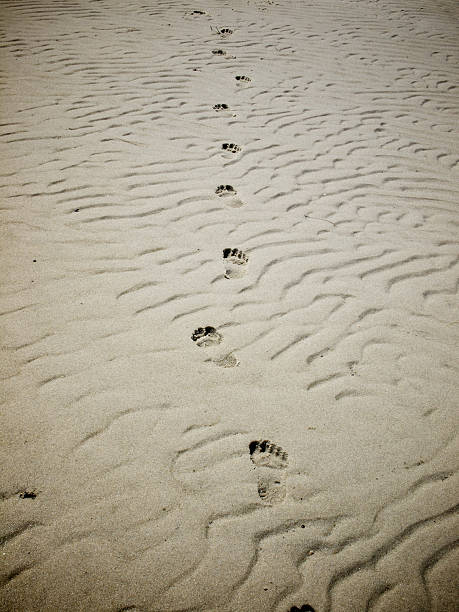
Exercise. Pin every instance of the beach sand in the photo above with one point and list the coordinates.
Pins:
(229, 305)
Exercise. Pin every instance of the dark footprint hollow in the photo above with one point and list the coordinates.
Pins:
(225, 32)
(223, 190)
(219, 52)
(231, 147)
(206, 336)
(235, 256)
(242, 78)
(235, 262)
(28, 495)
(268, 454)
(304, 608)
(220, 107)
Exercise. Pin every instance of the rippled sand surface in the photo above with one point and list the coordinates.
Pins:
(229, 305)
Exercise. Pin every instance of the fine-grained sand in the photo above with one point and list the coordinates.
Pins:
(229, 305)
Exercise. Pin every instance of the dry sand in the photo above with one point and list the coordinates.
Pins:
(135, 472)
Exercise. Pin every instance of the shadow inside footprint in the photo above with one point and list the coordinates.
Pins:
(265, 453)
(231, 147)
(235, 261)
(304, 608)
(220, 107)
(242, 79)
(225, 32)
(206, 336)
(270, 460)
(224, 191)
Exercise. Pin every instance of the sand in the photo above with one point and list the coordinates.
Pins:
(229, 305)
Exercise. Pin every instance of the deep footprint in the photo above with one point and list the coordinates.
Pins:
(225, 191)
(220, 107)
(270, 460)
(243, 79)
(225, 32)
(235, 261)
(231, 147)
(265, 453)
(206, 336)
(304, 608)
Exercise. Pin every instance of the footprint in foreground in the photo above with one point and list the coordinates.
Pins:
(270, 461)
(235, 261)
(304, 608)
(206, 336)
(230, 194)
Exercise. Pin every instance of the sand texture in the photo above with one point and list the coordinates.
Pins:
(229, 305)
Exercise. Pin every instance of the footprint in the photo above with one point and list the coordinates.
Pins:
(197, 12)
(230, 194)
(227, 361)
(270, 460)
(223, 53)
(224, 32)
(235, 261)
(220, 107)
(28, 495)
(206, 336)
(268, 454)
(231, 147)
(225, 190)
(304, 608)
(242, 79)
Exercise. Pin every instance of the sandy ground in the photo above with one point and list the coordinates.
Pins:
(229, 364)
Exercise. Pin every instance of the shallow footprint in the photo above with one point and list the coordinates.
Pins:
(230, 194)
(235, 261)
(227, 361)
(270, 460)
(206, 336)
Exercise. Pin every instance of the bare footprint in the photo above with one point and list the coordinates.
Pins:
(220, 107)
(230, 195)
(230, 147)
(242, 79)
(225, 32)
(235, 261)
(270, 461)
(223, 53)
(227, 361)
(304, 608)
(206, 336)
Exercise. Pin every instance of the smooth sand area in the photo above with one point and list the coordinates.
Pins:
(229, 305)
